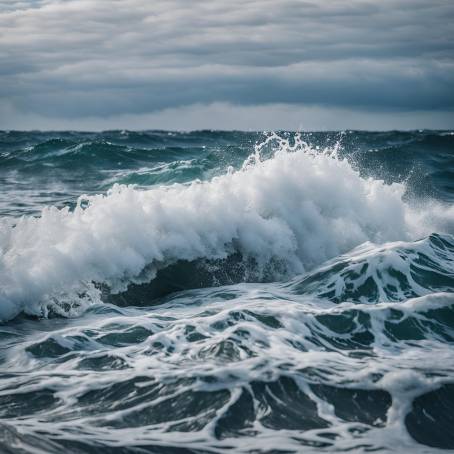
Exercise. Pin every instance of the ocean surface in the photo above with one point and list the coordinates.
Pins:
(213, 292)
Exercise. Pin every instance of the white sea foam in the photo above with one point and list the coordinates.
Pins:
(300, 207)
(260, 334)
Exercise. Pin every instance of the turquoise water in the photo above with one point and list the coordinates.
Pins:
(212, 291)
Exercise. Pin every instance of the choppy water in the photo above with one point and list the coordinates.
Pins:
(208, 292)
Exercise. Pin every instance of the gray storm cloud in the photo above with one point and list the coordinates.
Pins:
(73, 59)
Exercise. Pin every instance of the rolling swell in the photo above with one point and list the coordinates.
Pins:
(208, 292)
(390, 272)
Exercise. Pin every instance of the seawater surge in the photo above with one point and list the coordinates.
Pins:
(213, 291)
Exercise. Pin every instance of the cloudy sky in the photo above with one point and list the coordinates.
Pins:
(226, 64)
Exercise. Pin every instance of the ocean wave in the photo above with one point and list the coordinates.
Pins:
(286, 214)
(299, 298)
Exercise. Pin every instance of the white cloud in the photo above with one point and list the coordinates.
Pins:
(70, 59)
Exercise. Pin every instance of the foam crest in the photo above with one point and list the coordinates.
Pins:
(298, 208)
(389, 272)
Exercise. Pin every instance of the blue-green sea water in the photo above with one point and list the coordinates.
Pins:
(212, 292)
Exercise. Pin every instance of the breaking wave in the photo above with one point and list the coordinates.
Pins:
(283, 215)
